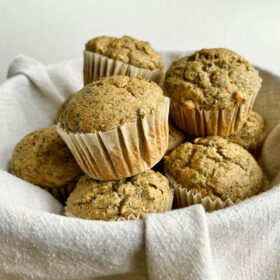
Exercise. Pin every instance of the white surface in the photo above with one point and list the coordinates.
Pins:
(240, 242)
(55, 30)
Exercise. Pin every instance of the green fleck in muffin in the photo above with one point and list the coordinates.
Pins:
(113, 200)
(42, 158)
(212, 91)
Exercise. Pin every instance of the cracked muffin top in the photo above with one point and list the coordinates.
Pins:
(252, 132)
(212, 79)
(42, 158)
(214, 167)
(127, 50)
(108, 200)
(109, 103)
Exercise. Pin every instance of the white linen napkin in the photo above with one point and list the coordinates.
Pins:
(38, 242)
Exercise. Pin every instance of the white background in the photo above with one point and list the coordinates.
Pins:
(55, 30)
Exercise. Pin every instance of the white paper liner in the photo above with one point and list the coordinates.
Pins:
(97, 66)
(164, 206)
(123, 152)
(185, 198)
(202, 123)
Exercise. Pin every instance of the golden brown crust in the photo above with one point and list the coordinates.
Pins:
(252, 133)
(128, 50)
(215, 167)
(109, 103)
(107, 200)
(212, 79)
(42, 158)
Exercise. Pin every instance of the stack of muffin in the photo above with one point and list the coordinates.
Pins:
(117, 129)
(212, 93)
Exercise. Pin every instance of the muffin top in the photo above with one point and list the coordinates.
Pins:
(212, 78)
(42, 158)
(176, 137)
(251, 133)
(109, 103)
(127, 50)
(214, 167)
(108, 200)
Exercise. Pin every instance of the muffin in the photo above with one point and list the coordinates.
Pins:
(212, 92)
(176, 137)
(116, 127)
(43, 159)
(214, 172)
(120, 200)
(251, 135)
(107, 56)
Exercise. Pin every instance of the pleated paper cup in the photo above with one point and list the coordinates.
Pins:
(165, 205)
(97, 66)
(185, 197)
(123, 152)
(61, 193)
(199, 122)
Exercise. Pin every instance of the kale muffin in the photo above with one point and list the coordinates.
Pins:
(120, 200)
(43, 159)
(107, 56)
(214, 168)
(116, 127)
(212, 92)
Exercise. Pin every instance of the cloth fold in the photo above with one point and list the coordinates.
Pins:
(246, 244)
(166, 237)
(38, 242)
